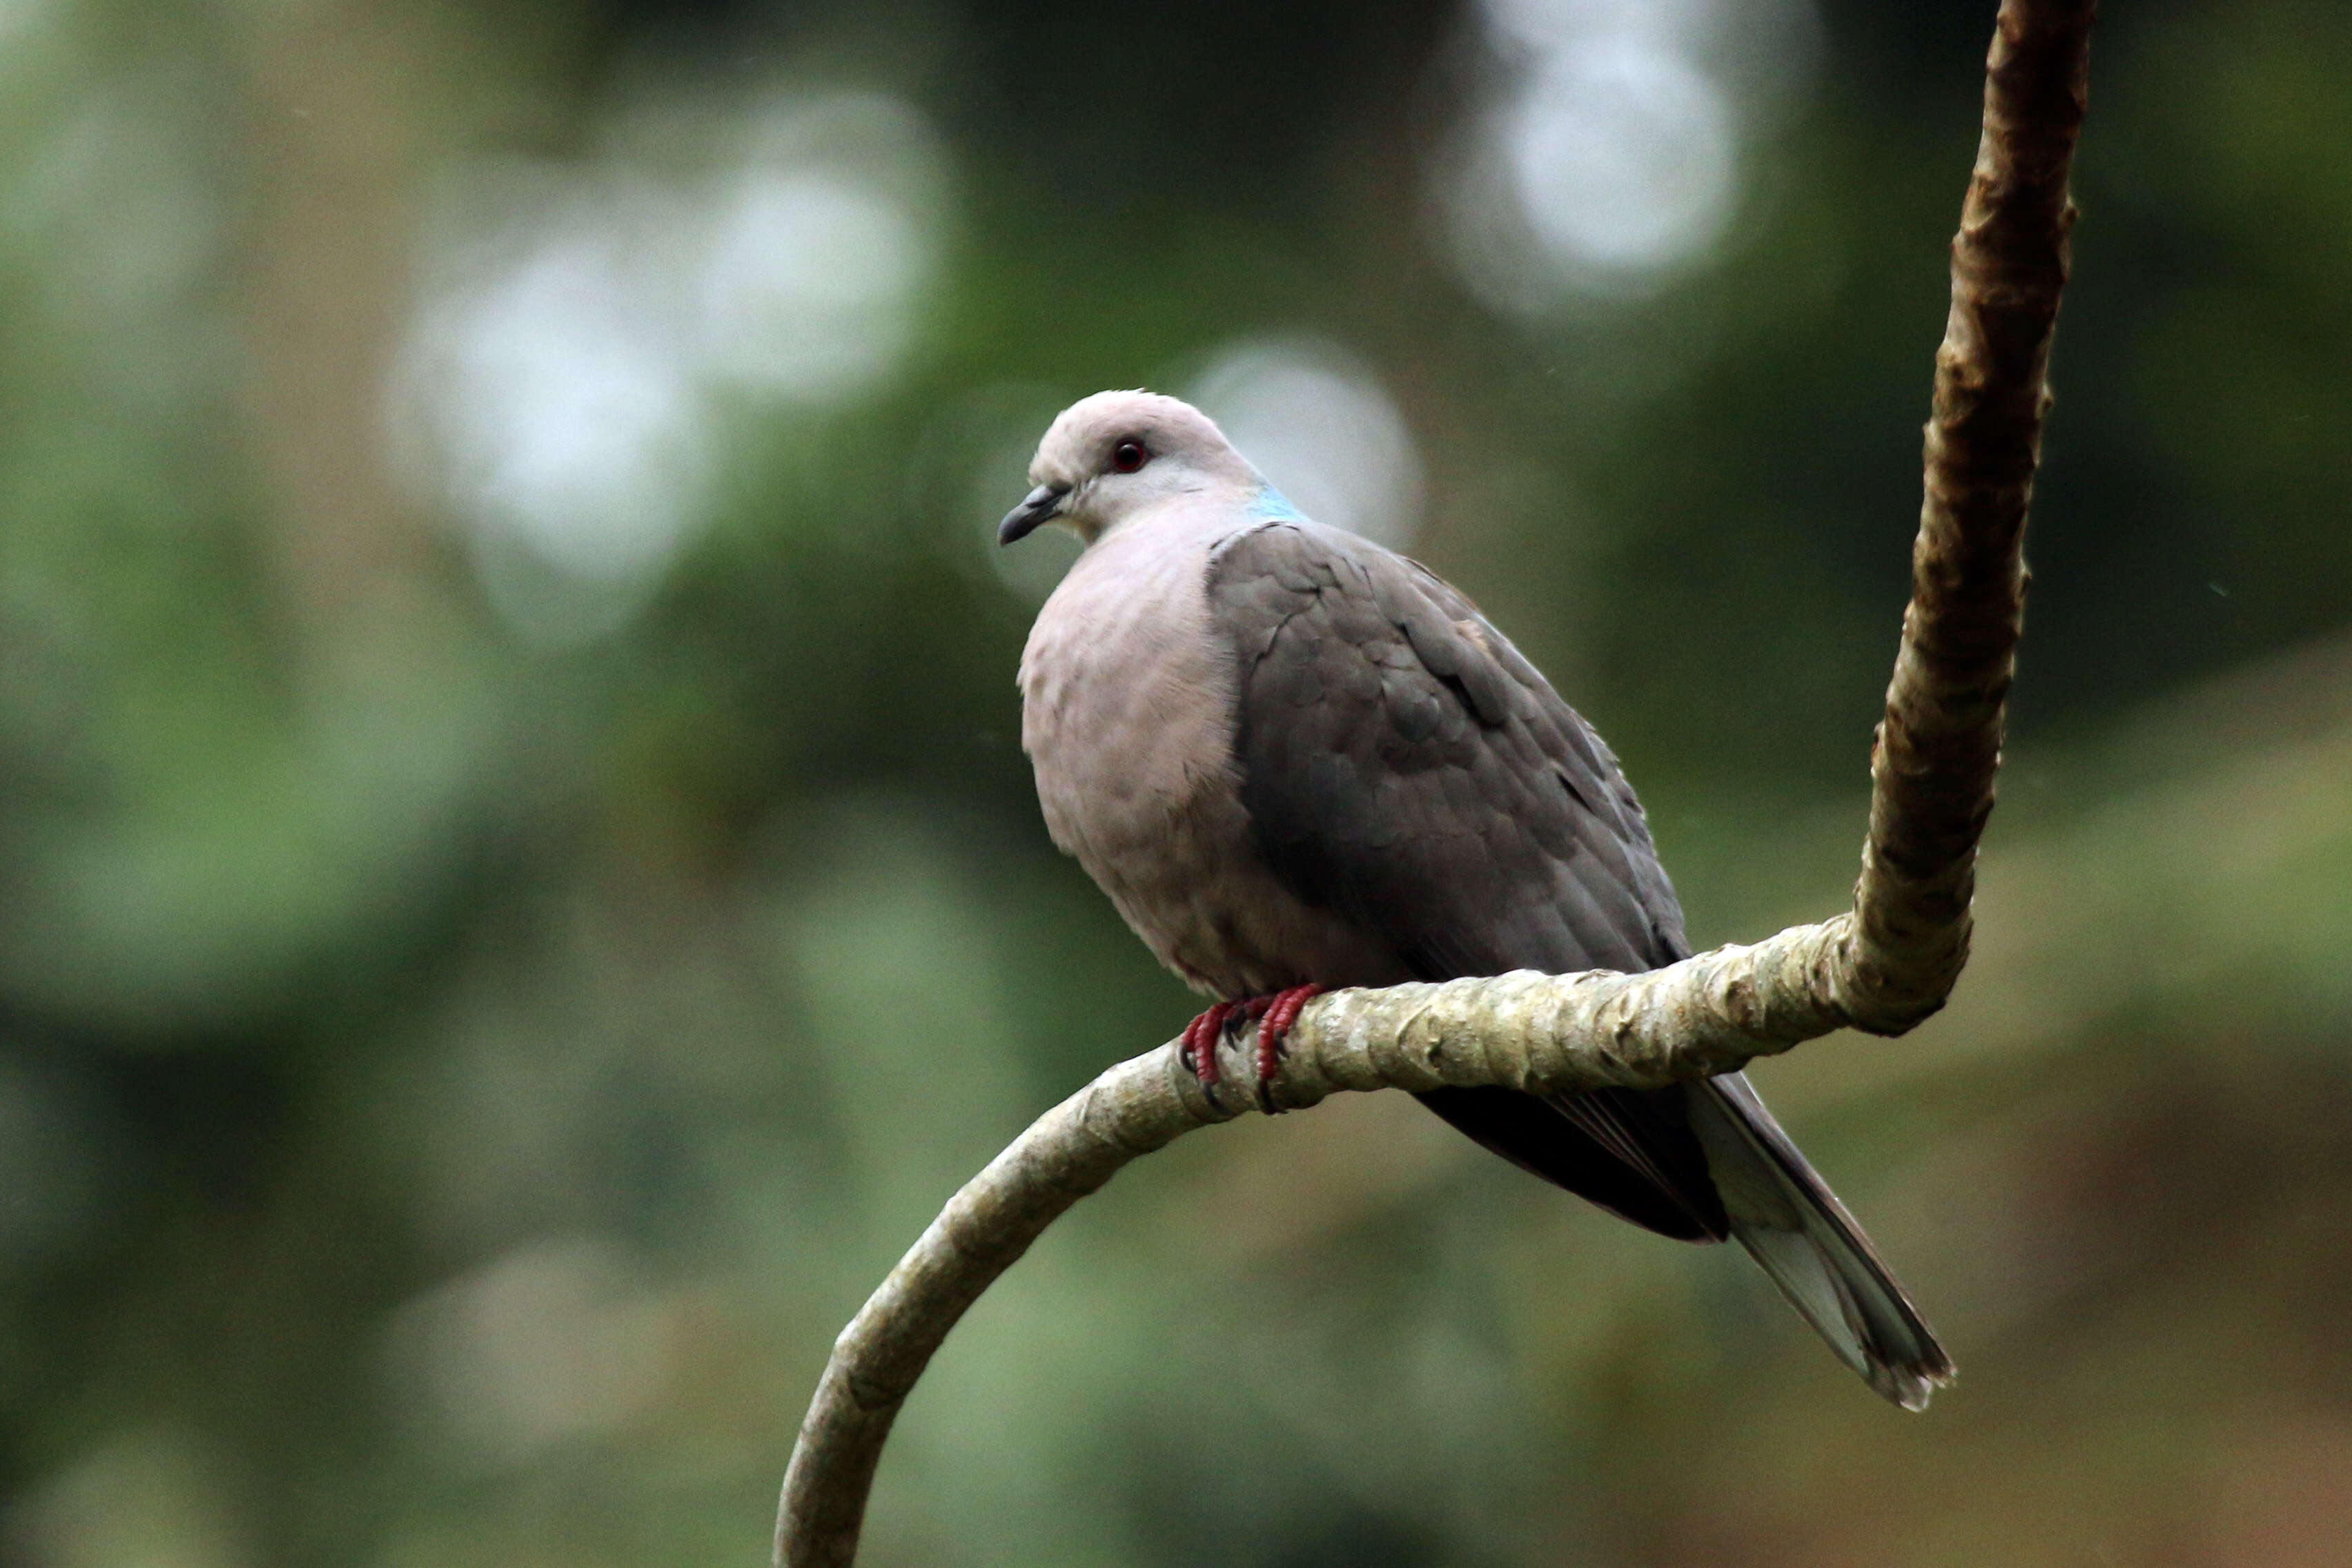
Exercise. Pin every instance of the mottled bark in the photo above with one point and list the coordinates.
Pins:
(1882, 967)
(1939, 745)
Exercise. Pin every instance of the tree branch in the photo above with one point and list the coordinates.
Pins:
(1882, 967)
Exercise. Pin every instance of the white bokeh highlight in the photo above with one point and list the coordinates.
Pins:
(567, 420)
(1319, 426)
(804, 293)
(580, 323)
(1621, 156)
(1603, 157)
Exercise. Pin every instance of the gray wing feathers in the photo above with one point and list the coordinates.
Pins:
(1792, 1225)
(1402, 763)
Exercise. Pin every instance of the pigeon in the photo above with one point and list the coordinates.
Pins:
(1298, 761)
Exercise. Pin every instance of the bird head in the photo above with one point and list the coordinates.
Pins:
(1111, 456)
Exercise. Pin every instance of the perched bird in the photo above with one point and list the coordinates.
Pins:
(1296, 760)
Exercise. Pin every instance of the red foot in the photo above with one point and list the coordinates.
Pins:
(1275, 1014)
(1200, 1043)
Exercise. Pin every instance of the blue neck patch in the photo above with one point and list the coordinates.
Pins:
(1272, 504)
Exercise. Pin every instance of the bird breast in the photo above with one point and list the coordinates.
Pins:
(1128, 717)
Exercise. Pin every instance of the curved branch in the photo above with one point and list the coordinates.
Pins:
(1884, 967)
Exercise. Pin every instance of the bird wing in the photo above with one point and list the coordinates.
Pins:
(1402, 764)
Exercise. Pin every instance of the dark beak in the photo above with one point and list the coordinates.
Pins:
(1042, 505)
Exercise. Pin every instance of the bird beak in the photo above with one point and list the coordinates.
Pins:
(1042, 506)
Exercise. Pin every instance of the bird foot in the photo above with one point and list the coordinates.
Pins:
(1199, 1050)
(1274, 1013)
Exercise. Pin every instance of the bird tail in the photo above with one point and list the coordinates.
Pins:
(1791, 1224)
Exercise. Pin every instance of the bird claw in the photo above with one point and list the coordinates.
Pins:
(1274, 1013)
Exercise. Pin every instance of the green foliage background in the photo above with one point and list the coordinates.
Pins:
(453, 1087)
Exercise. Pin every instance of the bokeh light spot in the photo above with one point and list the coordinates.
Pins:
(558, 391)
(1319, 424)
(1603, 154)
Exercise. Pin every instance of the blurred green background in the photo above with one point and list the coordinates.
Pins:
(519, 894)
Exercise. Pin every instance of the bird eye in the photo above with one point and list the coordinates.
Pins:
(1128, 456)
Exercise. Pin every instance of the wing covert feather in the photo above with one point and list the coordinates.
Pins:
(1402, 763)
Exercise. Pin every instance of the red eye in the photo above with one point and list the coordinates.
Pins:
(1128, 456)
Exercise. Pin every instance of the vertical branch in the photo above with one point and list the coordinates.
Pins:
(1932, 769)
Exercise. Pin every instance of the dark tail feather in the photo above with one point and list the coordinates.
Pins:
(1792, 1225)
